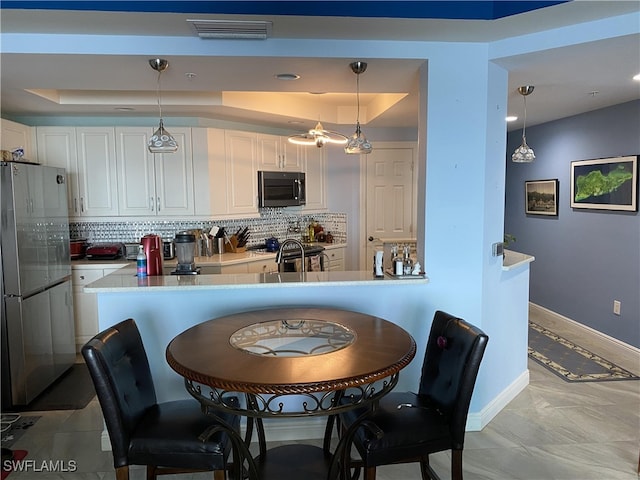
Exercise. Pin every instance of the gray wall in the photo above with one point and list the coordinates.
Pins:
(585, 259)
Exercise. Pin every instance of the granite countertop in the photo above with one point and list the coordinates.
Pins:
(125, 280)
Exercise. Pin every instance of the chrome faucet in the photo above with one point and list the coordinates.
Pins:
(285, 243)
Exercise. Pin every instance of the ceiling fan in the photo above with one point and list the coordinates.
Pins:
(318, 136)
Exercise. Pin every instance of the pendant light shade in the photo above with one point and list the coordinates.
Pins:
(524, 153)
(358, 143)
(161, 141)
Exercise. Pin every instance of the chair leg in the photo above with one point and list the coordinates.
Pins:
(151, 472)
(426, 471)
(456, 464)
(369, 473)
(122, 473)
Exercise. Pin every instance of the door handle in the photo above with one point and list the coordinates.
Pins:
(371, 239)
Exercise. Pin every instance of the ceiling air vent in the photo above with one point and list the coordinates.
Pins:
(231, 28)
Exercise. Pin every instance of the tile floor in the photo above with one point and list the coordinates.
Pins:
(553, 430)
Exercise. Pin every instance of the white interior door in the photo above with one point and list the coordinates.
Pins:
(389, 199)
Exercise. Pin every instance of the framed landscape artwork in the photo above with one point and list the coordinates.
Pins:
(541, 197)
(605, 184)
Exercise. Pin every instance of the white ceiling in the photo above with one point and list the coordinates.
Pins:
(83, 83)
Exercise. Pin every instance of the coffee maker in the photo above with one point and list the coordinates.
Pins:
(152, 246)
(185, 253)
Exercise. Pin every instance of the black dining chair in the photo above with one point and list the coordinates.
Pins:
(161, 436)
(407, 427)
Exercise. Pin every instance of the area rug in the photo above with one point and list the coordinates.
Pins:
(72, 391)
(17, 429)
(8, 466)
(569, 361)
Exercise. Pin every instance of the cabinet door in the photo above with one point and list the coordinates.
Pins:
(209, 182)
(276, 153)
(136, 189)
(241, 172)
(269, 152)
(174, 177)
(336, 259)
(14, 135)
(97, 171)
(265, 266)
(57, 148)
(315, 161)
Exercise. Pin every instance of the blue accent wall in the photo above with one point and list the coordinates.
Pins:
(585, 259)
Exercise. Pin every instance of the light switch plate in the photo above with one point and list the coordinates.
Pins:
(497, 249)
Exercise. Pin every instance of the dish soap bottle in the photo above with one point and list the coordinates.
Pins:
(141, 262)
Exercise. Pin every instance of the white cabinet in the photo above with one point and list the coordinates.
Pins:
(97, 187)
(88, 155)
(85, 304)
(315, 160)
(336, 259)
(262, 266)
(154, 184)
(225, 183)
(276, 153)
(14, 135)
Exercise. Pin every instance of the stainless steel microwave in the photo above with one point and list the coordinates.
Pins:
(281, 189)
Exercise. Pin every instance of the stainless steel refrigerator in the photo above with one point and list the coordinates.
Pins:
(37, 330)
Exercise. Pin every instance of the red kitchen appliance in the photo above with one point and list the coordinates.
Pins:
(152, 246)
(105, 251)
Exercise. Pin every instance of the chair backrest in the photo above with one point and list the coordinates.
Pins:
(454, 352)
(120, 372)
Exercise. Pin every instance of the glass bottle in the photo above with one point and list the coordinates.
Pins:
(398, 263)
(407, 262)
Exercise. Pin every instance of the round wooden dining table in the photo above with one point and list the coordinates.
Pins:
(291, 362)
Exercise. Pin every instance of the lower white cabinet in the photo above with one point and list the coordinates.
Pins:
(336, 259)
(85, 308)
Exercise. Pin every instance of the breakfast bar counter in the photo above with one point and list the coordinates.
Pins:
(125, 280)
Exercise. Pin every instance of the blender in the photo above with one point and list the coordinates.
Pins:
(185, 244)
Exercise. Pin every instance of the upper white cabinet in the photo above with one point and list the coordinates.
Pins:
(226, 179)
(154, 184)
(89, 157)
(315, 160)
(97, 185)
(276, 153)
(14, 135)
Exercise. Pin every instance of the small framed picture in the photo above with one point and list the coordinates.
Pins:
(541, 197)
(605, 184)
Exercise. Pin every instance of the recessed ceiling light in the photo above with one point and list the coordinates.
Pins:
(637, 77)
(287, 76)
(511, 118)
(125, 109)
(190, 75)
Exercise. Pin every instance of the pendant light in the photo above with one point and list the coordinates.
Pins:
(358, 143)
(318, 136)
(161, 141)
(524, 153)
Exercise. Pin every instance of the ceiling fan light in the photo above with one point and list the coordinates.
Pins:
(318, 136)
(162, 141)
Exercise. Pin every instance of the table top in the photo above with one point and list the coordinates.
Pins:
(362, 350)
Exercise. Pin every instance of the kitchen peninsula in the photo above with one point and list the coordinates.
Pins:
(164, 306)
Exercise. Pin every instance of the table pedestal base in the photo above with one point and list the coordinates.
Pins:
(306, 462)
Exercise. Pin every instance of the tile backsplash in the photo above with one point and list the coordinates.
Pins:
(272, 222)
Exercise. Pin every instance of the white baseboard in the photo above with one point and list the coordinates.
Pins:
(476, 421)
(602, 336)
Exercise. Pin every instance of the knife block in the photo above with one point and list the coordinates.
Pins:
(232, 246)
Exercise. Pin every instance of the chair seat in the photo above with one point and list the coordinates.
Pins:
(170, 431)
(407, 432)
